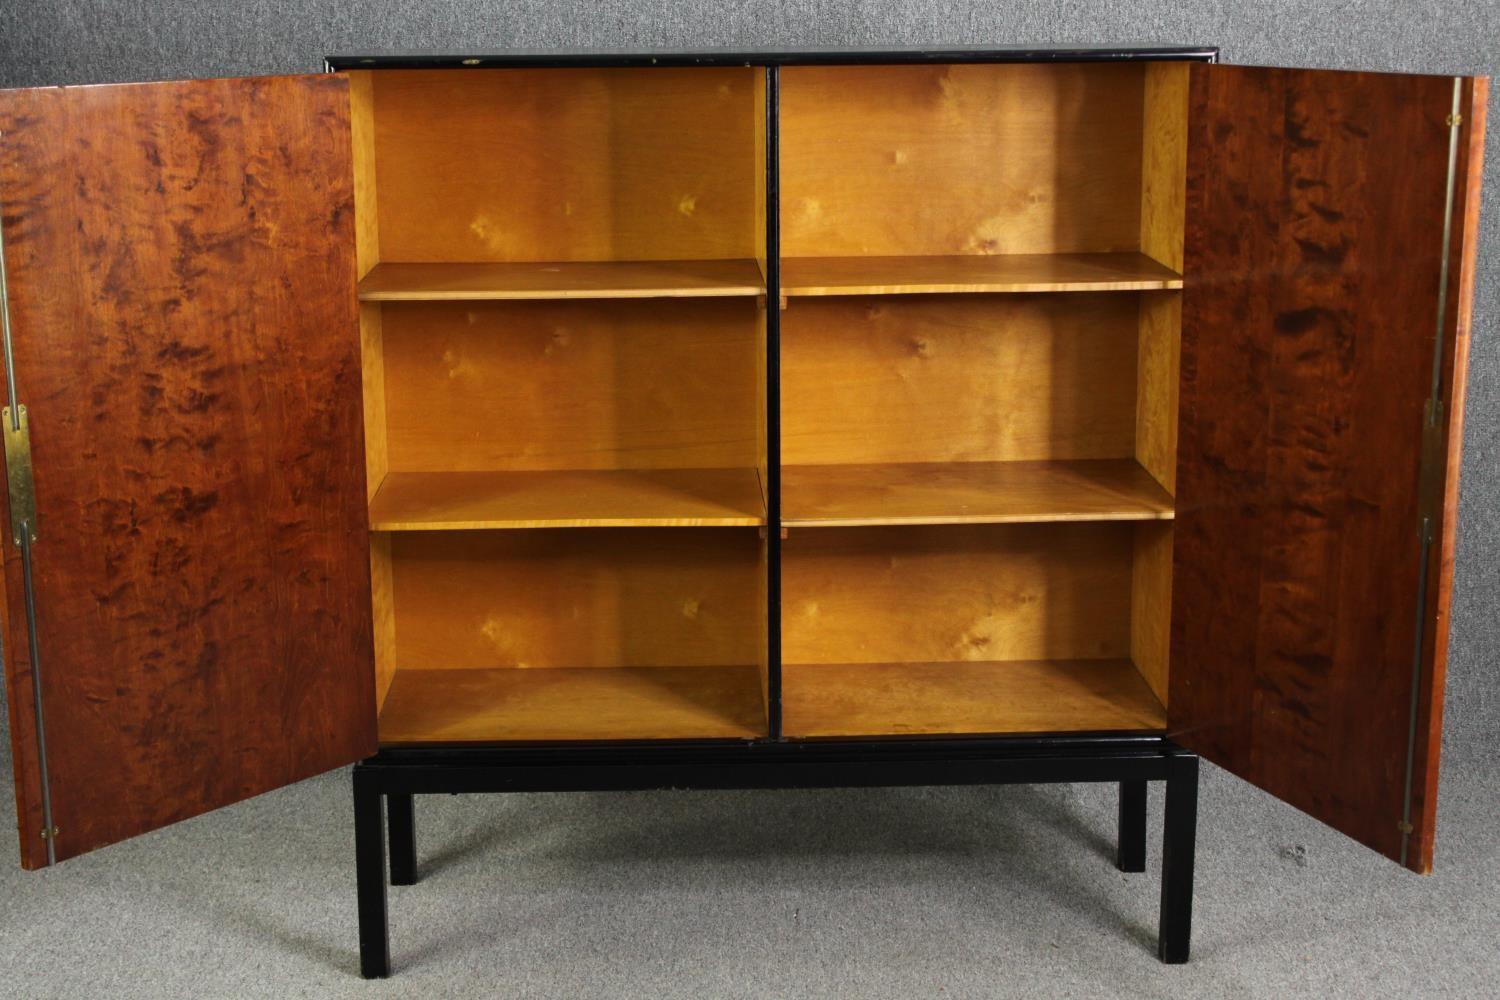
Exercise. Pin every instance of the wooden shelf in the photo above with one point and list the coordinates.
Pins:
(598, 498)
(978, 697)
(971, 493)
(622, 279)
(575, 703)
(1032, 272)
(800, 276)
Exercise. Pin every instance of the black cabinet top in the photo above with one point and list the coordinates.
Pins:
(764, 57)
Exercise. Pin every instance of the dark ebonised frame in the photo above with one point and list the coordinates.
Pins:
(393, 776)
(541, 59)
(385, 783)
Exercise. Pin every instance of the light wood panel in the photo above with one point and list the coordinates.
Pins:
(762, 397)
(575, 385)
(631, 703)
(1151, 605)
(626, 279)
(762, 179)
(1019, 272)
(763, 661)
(1164, 161)
(566, 164)
(996, 592)
(599, 498)
(1163, 198)
(366, 209)
(958, 378)
(762, 162)
(372, 367)
(372, 370)
(382, 603)
(606, 597)
(1027, 696)
(970, 159)
(1159, 347)
(970, 493)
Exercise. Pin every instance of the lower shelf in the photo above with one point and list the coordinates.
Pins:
(970, 697)
(513, 704)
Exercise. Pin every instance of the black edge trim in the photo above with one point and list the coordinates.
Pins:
(771, 57)
(773, 399)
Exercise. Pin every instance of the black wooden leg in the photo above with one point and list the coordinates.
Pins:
(1178, 836)
(401, 823)
(1130, 850)
(369, 868)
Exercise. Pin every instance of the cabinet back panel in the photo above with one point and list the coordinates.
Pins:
(577, 385)
(971, 159)
(567, 164)
(970, 378)
(596, 597)
(919, 594)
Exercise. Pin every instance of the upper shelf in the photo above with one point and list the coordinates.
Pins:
(618, 279)
(971, 493)
(581, 498)
(1041, 272)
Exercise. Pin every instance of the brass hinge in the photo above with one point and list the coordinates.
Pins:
(18, 475)
(1432, 463)
(1406, 827)
(23, 531)
(1455, 120)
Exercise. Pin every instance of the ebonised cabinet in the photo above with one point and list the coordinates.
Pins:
(734, 420)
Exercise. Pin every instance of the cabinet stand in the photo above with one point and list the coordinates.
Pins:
(395, 775)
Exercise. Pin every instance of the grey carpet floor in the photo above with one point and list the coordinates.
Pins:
(900, 893)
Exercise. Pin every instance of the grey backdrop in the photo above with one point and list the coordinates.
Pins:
(742, 895)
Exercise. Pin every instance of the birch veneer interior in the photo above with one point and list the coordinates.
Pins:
(565, 317)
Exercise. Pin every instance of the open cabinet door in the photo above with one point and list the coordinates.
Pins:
(1331, 224)
(196, 603)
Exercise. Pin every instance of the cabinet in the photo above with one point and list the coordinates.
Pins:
(546, 421)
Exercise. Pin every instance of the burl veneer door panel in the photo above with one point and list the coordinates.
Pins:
(1309, 613)
(181, 276)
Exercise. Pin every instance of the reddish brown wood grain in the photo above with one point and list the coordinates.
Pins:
(1314, 245)
(181, 262)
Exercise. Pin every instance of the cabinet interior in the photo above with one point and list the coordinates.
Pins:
(564, 318)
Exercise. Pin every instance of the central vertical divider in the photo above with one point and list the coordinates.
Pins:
(773, 404)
